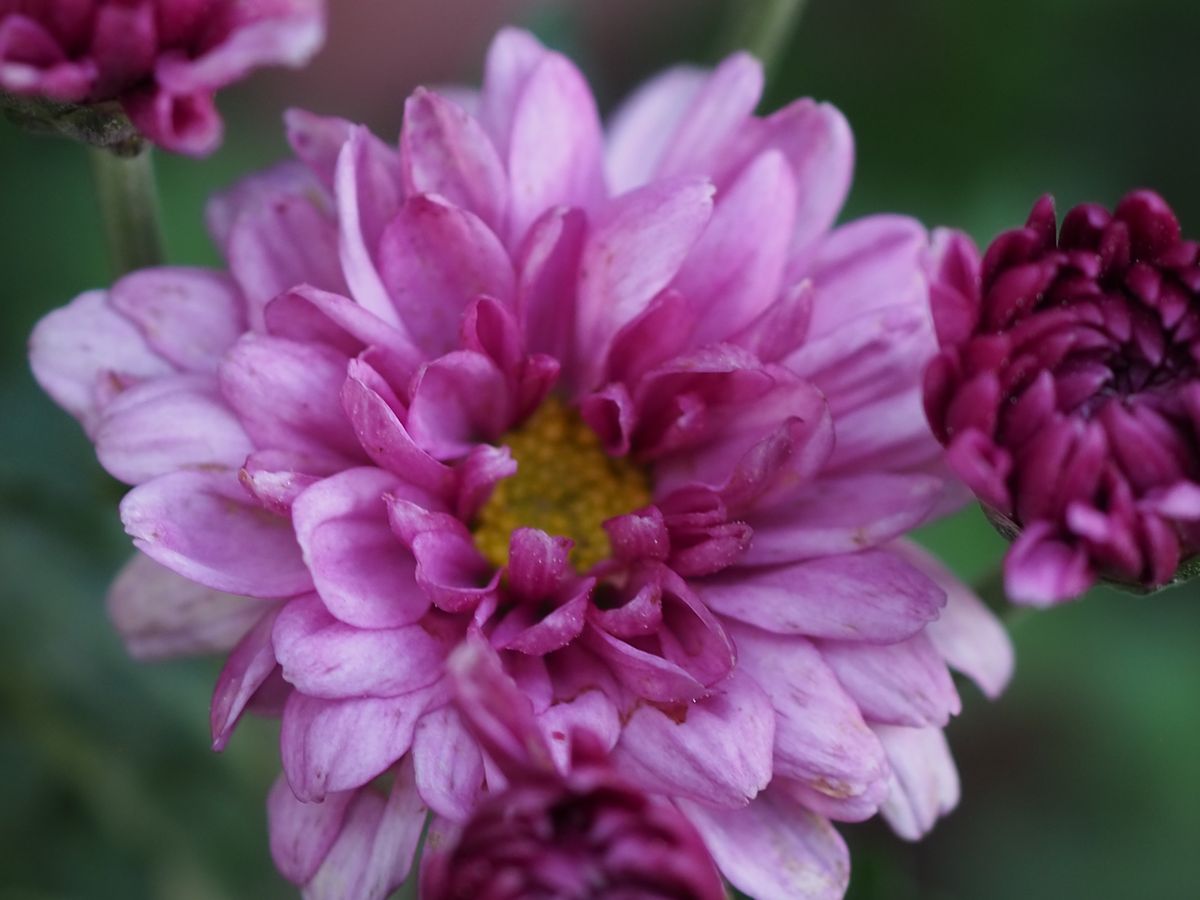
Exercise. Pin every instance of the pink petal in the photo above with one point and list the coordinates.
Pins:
(662, 331)
(878, 354)
(820, 736)
(819, 146)
(646, 674)
(288, 395)
(458, 401)
(176, 422)
(283, 180)
(866, 265)
(634, 249)
(924, 780)
(323, 657)
(720, 108)
(967, 634)
(511, 59)
(1041, 570)
(782, 327)
(496, 711)
(905, 683)
(642, 128)
(484, 467)
(952, 264)
(203, 526)
(248, 667)
(554, 149)
(716, 750)
(774, 849)
(288, 35)
(871, 596)
(445, 151)
(591, 712)
(160, 615)
(317, 141)
(183, 123)
(307, 314)
(764, 450)
(547, 274)
(368, 197)
(334, 745)
(281, 244)
(842, 515)
(889, 433)
(385, 438)
(538, 565)
(526, 631)
(452, 573)
(435, 259)
(275, 478)
(362, 572)
(374, 852)
(74, 350)
(448, 764)
(189, 317)
(302, 833)
(735, 269)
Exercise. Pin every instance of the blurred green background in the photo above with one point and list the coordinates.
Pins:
(1082, 782)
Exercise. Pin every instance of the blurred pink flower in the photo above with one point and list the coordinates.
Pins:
(1067, 395)
(624, 409)
(162, 59)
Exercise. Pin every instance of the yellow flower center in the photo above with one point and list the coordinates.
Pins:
(565, 484)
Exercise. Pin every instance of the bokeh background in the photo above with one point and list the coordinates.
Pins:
(1082, 782)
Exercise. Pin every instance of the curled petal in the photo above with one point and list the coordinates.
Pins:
(364, 575)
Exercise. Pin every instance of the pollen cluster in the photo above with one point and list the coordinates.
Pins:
(565, 484)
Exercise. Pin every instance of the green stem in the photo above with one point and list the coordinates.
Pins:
(128, 199)
(762, 27)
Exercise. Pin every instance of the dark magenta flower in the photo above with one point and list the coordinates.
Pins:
(1067, 394)
(585, 833)
(161, 59)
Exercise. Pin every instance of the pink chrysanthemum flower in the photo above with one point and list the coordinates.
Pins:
(1067, 392)
(624, 408)
(162, 59)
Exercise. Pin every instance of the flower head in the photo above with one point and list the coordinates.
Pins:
(161, 59)
(624, 409)
(1067, 392)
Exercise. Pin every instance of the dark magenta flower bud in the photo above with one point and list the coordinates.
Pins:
(580, 834)
(1067, 392)
(161, 60)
